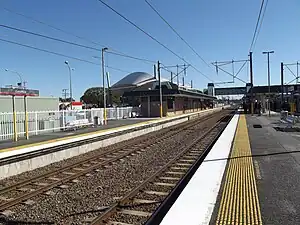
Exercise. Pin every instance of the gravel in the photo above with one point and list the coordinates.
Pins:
(26, 175)
(101, 188)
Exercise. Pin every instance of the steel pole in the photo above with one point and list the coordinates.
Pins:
(160, 91)
(15, 118)
(177, 76)
(21, 80)
(103, 82)
(19, 75)
(71, 92)
(26, 118)
(281, 71)
(251, 81)
(269, 104)
(297, 73)
(269, 84)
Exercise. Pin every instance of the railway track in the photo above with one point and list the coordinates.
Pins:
(162, 188)
(22, 191)
(49, 150)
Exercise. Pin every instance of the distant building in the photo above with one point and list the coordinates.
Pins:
(67, 105)
(142, 90)
(34, 101)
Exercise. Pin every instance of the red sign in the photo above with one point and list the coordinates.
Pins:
(18, 94)
(77, 103)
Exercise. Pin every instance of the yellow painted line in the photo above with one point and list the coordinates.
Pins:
(101, 131)
(239, 198)
(70, 137)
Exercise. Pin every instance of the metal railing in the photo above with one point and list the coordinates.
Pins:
(41, 122)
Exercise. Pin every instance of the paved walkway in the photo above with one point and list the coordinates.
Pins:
(277, 162)
(261, 184)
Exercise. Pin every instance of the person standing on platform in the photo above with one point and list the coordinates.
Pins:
(245, 107)
(259, 108)
(255, 107)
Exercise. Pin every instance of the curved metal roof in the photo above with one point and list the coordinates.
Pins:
(134, 79)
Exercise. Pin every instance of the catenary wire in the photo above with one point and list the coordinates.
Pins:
(59, 54)
(260, 25)
(69, 33)
(153, 38)
(257, 23)
(173, 29)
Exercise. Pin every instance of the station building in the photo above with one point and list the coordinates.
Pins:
(290, 93)
(142, 89)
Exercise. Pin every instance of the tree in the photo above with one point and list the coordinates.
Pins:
(66, 100)
(205, 91)
(94, 96)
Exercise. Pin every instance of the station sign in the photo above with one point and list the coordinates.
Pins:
(230, 91)
(18, 91)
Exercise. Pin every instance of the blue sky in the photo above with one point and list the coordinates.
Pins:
(216, 29)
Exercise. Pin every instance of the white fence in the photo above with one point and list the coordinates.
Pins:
(52, 121)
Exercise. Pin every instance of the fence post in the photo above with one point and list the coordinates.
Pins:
(15, 118)
(26, 118)
(92, 116)
(36, 123)
(63, 120)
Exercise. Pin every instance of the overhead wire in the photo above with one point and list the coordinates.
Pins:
(163, 68)
(140, 29)
(173, 29)
(117, 69)
(48, 51)
(51, 26)
(290, 70)
(131, 57)
(48, 37)
(72, 43)
(232, 75)
(292, 81)
(68, 33)
(240, 69)
(257, 23)
(153, 38)
(58, 54)
(260, 25)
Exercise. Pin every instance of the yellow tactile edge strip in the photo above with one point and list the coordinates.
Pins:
(239, 200)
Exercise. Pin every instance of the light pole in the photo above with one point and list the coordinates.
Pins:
(103, 80)
(268, 53)
(160, 91)
(70, 77)
(21, 80)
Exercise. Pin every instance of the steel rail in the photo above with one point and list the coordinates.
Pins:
(84, 171)
(103, 218)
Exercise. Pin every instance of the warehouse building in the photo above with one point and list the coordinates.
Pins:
(34, 101)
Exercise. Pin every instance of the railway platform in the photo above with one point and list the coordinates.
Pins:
(9, 145)
(249, 177)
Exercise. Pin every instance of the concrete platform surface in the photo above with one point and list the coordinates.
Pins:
(276, 156)
(261, 184)
(195, 204)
